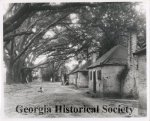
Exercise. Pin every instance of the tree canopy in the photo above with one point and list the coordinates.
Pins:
(65, 30)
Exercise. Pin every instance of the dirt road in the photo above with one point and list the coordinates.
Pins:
(54, 94)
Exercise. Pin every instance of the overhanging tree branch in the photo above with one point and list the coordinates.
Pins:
(27, 9)
(39, 34)
(11, 36)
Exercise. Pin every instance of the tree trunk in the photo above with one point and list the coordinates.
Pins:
(9, 74)
(14, 72)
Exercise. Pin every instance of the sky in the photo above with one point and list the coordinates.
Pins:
(5, 7)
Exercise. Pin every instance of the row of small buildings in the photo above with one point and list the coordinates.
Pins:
(120, 72)
(102, 75)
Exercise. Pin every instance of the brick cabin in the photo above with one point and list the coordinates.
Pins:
(104, 73)
(79, 76)
(73, 76)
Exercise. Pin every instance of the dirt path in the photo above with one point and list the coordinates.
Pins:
(53, 94)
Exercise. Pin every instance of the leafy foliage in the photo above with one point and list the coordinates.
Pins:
(66, 30)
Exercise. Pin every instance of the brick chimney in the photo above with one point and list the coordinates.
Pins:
(94, 55)
(132, 46)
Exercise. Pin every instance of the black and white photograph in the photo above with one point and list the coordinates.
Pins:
(75, 59)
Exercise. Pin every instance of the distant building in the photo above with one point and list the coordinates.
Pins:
(79, 76)
(104, 74)
(82, 75)
(73, 76)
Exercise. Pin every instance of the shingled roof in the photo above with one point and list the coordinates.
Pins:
(115, 56)
(73, 70)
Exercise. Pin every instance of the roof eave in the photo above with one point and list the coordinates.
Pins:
(115, 64)
(140, 51)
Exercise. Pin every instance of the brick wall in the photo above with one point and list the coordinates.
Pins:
(109, 84)
(141, 79)
(72, 78)
(132, 45)
(130, 84)
(112, 86)
(82, 80)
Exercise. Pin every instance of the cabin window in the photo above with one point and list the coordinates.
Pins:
(90, 75)
(99, 74)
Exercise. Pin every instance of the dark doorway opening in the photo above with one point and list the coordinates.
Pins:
(94, 81)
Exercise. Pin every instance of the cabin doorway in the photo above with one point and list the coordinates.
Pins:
(94, 81)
